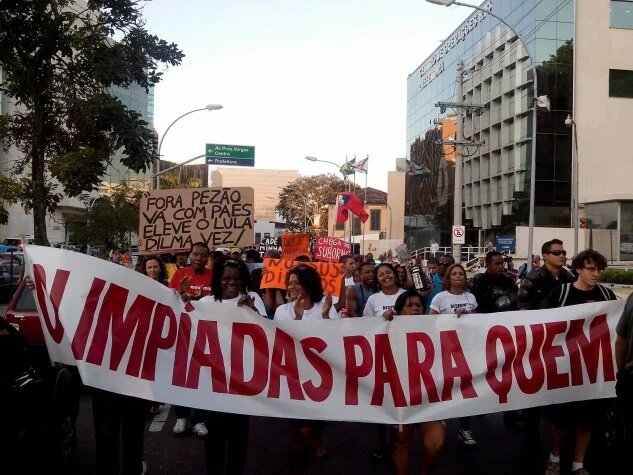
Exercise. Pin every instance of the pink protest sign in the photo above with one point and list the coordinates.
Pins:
(330, 249)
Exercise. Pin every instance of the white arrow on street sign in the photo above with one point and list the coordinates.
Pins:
(459, 234)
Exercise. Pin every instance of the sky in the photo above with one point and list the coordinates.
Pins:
(325, 78)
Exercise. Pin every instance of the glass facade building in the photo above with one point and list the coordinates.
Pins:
(498, 77)
(135, 98)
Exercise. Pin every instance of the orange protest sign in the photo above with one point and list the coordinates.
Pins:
(276, 271)
(293, 245)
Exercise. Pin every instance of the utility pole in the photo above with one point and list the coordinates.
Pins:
(459, 163)
(459, 143)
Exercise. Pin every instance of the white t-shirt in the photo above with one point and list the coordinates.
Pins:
(258, 303)
(379, 302)
(349, 281)
(287, 312)
(445, 302)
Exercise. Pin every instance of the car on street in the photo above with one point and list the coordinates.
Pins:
(19, 242)
(9, 277)
(4, 248)
(38, 408)
(22, 315)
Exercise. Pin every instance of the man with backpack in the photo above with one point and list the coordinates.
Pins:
(582, 416)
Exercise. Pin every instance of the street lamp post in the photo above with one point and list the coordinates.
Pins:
(534, 110)
(178, 165)
(390, 217)
(209, 107)
(340, 169)
(570, 122)
(305, 208)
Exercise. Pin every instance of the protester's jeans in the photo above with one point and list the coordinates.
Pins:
(119, 423)
(226, 444)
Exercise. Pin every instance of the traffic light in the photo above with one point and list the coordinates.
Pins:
(583, 223)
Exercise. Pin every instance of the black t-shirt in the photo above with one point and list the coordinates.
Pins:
(576, 296)
(496, 293)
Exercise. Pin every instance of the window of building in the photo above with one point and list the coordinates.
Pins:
(620, 82)
(339, 227)
(374, 219)
(356, 231)
(622, 14)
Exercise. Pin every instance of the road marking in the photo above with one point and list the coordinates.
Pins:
(159, 420)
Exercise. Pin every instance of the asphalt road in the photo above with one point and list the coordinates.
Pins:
(500, 450)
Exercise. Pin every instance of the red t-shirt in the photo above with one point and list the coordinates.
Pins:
(200, 283)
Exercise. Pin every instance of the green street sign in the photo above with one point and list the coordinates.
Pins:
(235, 155)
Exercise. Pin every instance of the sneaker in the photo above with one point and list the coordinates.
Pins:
(144, 468)
(181, 426)
(200, 429)
(581, 471)
(466, 436)
(553, 468)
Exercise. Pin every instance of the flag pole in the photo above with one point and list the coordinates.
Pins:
(365, 204)
(352, 222)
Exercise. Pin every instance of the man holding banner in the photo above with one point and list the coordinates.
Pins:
(582, 416)
(192, 283)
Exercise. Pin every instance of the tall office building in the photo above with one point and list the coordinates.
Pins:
(584, 65)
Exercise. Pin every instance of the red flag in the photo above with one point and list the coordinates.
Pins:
(348, 201)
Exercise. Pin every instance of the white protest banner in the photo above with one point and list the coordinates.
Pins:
(172, 220)
(128, 334)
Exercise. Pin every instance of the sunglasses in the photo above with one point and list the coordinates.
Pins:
(558, 252)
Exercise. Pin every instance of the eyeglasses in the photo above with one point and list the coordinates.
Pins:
(594, 269)
(557, 252)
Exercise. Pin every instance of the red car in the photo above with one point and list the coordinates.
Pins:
(22, 314)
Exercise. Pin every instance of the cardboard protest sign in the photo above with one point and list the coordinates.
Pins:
(276, 270)
(330, 249)
(269, 243)
(402, 253)
(294, 245)
(130, 335)
(172, 220)
(421, 278)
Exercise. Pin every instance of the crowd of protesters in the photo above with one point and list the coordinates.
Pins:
(380, 290)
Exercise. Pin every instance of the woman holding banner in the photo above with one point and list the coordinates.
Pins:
(381, 303)
(230, 283)
(307, 302)
(456, 300)
(226, 444)
(154, 267)
(432, 433)
(388, 289)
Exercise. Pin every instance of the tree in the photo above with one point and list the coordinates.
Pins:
(59, 62)
(109, 221)
(303, 200)
(9, 191)
(169, 181)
